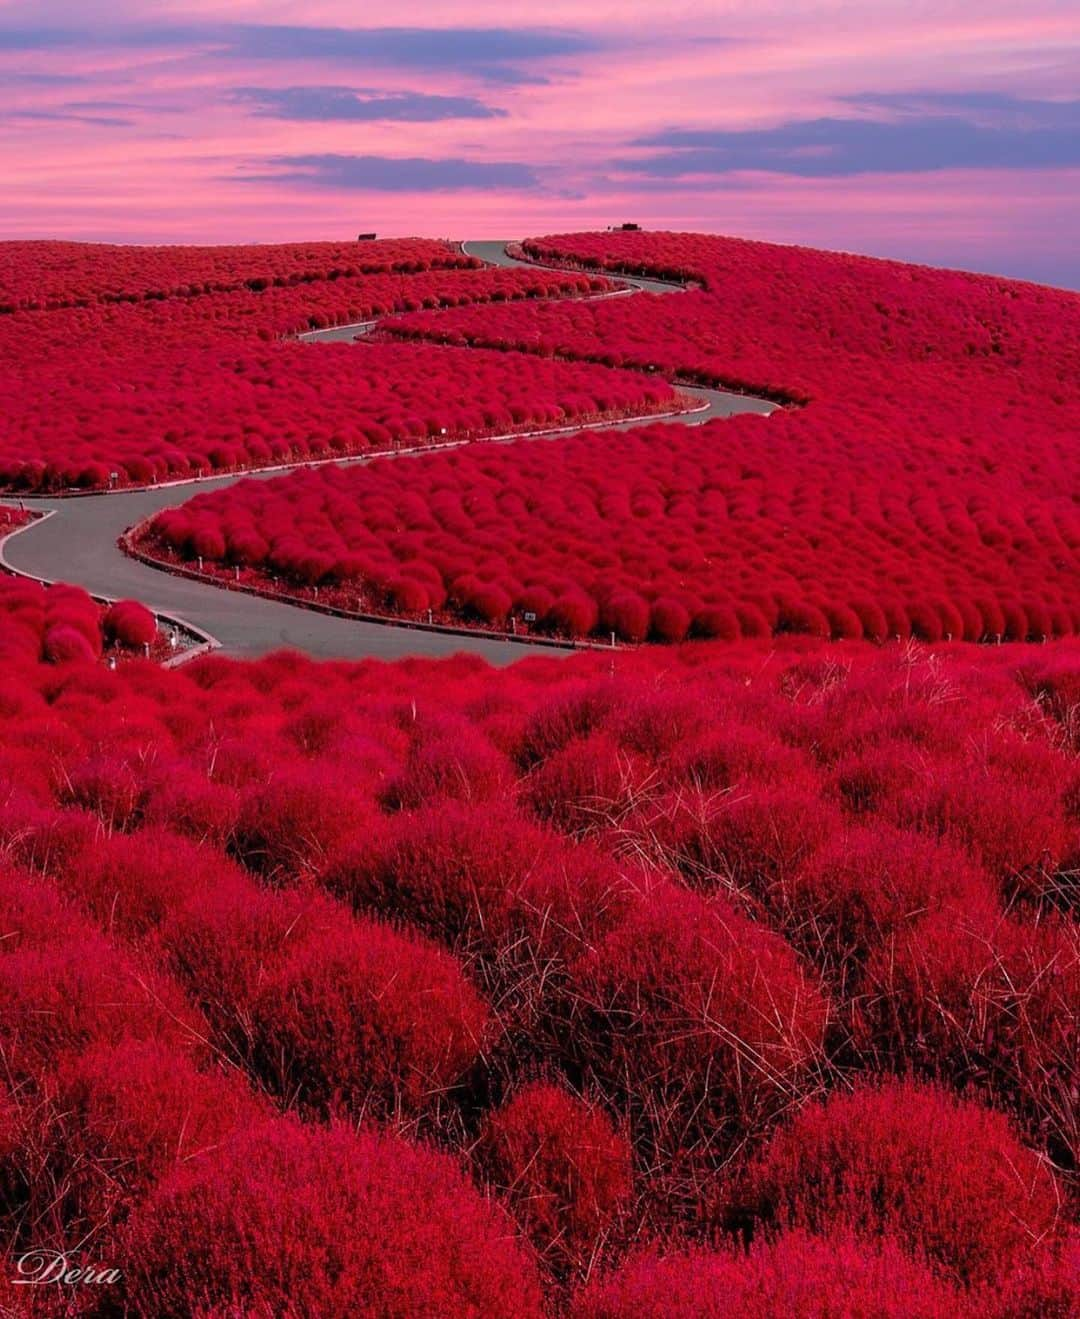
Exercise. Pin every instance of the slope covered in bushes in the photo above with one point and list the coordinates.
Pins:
(141, 365)
(924, 488)
(736, 528)
(697, 978)
(198, 410)
(48, 274)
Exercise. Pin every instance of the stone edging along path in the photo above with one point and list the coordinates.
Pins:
(88, 539)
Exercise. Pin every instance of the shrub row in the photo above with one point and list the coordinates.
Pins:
(183, 412)
(664, 533)
(53, 274)
(928, 463)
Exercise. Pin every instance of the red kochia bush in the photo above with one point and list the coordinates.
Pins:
(562, 1165)
(223, 940)
(869, 881)
(689, 1008)
(63, 645)
(832, 1277)
(1014, 825)
(130, 623)
(132, 882)
(286, 1219)
(453, 762)
(294, 822)
(591, 782)
(361, 1017)
(184, 799)
(484, 880)
(110, 786)
(656, 723)
(131, 1111)
(730, 753)
(947, 1177)
(976, 997)
(757, 837)
(64, 986)
(573, 709)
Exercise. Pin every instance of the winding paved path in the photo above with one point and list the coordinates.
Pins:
(78, 543)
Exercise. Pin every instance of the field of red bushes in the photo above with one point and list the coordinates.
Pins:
(195, 411)
(128, 379)
(708, 980)
(661, 533)
(48, 274)
(732, 976)
(923, 488)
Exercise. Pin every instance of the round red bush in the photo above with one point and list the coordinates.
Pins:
(946, 1177)
(575, 615)
(290, 825)
(670, 1007)
(865, 883)
(287, 1219)
(974, 997)
(562, 1166)
(832, 1277)
(129, 623)
(626, 614)
(668, 620)
(454, 763)
(359, 1017)
(587, 785)
(131, 1111)
(66, 645)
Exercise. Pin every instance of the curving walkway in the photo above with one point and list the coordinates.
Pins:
(78, 543)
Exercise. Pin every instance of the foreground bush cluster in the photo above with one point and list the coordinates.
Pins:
(61, 623)
(195, 379)
(699, 981)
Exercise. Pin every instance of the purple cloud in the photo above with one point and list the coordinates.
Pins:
(349, 105)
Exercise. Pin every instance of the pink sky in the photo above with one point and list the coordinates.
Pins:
(944, 132)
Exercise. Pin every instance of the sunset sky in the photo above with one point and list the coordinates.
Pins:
(938, 131)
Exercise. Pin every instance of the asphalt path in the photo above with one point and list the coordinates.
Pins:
(78, 543)
(494, 253)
